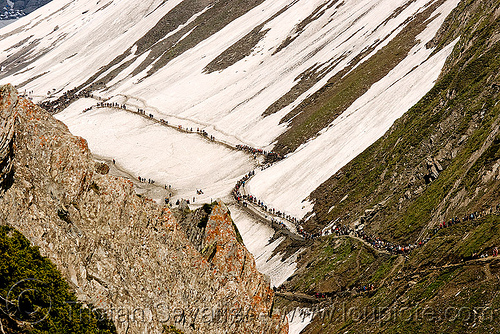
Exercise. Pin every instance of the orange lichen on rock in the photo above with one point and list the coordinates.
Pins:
(232, 257)
(119, 250)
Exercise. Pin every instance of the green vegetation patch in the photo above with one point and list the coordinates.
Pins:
(316, 112)
(341, 263)
(37, 296)
(462, 104)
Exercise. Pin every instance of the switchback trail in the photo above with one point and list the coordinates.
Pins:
(250, 208)
(199, 123)
(177, 127)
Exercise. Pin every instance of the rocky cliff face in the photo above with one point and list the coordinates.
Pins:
(123, 253)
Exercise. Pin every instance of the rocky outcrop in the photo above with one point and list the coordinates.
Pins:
(26, 6)
(232, 257)
(433, 168)
(123, 253)
(7, 119)
(212, 232)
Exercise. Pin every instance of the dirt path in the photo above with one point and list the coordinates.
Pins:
(298, 296)
(486, 261)
(156, 191)
(398, 264)
(380, 251)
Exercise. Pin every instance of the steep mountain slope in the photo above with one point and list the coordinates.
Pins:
(250, 72)
(413, 206)
(356, 107)
(439, 159)
(122, 252)
(431, 185)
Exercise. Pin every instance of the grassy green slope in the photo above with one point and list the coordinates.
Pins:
(453, 129)
(440, 160)
(438, 287)
(35, 298)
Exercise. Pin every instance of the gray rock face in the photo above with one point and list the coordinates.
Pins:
(7, 120)
(27, 6)
(123, 253)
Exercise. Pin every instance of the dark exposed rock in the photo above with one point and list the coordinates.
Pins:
(101, 168)
(7, 119)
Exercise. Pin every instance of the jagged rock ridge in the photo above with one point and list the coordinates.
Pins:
(123, 253)
(269, 74)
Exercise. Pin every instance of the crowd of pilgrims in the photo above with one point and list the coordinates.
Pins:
(270, 155)
(273, 156)
(245, 199)
(374, 241)
(404, 249)
(112, 105)
(161, 120)
(143, 180)
(341, 230)
(68, 97)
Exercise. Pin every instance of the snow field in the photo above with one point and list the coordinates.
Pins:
(256, 237)
(287, 184)
(147, 149)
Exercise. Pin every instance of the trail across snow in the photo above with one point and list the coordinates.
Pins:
(152, 151)
(73, 39)
(70, 40)
(183, 160)
(287, 184)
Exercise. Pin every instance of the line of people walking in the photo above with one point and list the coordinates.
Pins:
(161, 120)
(111, 105)
(393, 248)
(244, 199)
(270, 155)
(144, 180)
(68, 97)
(340, 229)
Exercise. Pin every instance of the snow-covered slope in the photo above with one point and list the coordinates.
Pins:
(257, 238)
(178, 57)
(147, 149)
(68, 41)
(287, 183)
